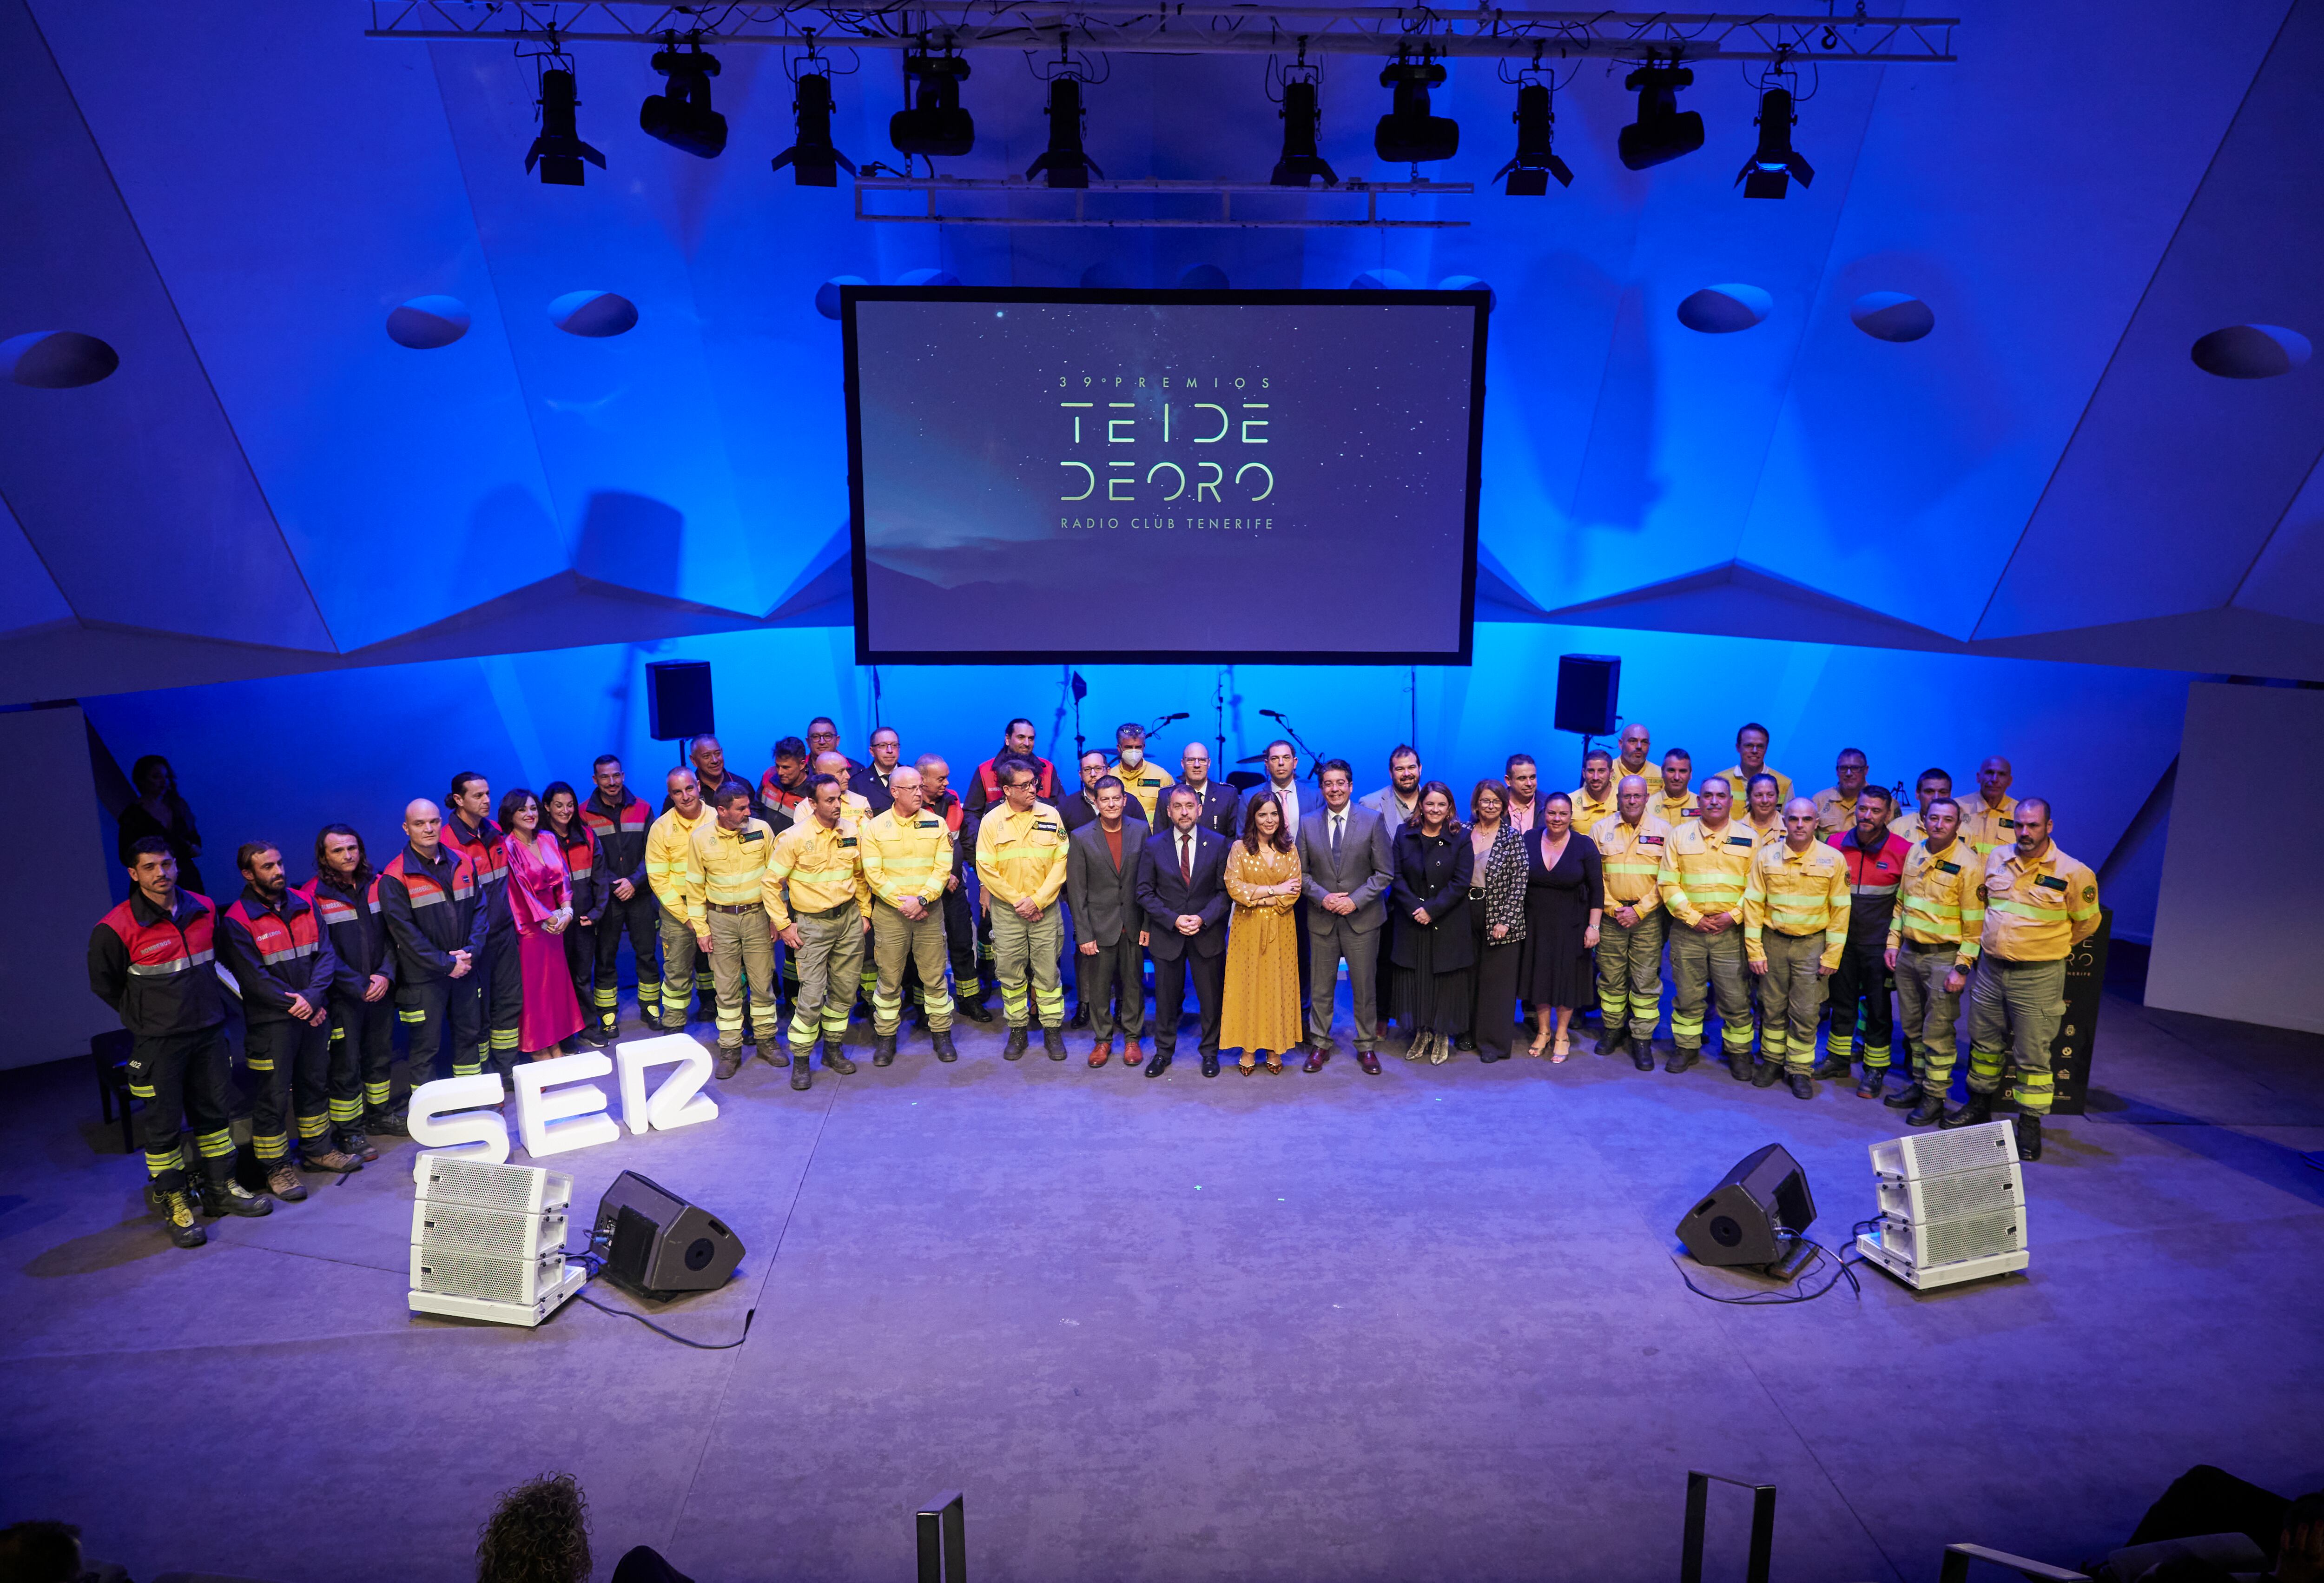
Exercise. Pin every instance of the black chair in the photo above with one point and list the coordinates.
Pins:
(108, 1053)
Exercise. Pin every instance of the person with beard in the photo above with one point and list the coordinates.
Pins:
(469, 830)
(619, 818)
(345, 893)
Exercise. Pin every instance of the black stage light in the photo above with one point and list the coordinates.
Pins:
(681, 115)
(1064, 161)
(1535, 164)
(1768, 173)
(936, 123)
(559, 151)
(813, 160)
(1408, 135)
(1661, 132)
(1302, 113)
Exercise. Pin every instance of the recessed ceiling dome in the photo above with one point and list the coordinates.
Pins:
(426, 323)
(1893, 315)
(2250, 351)
(826, 295)
(1202, 277)
(56, 359)
(1470, 284)
(1723, 310)
(927, 277)
(594, 314)
(1381, 279)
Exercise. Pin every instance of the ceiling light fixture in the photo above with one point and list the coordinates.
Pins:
(1662, 132)
(1536, 162)
(814, 161)
(1408, 135)
(681, 115)
(559, 151)
(1303, 114)
(1066, 164)
(936, 123)
(1768, 173)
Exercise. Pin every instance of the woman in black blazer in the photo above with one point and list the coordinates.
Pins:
(1433, 952)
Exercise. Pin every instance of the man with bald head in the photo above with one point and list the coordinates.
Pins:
(1636, 757)
(856, 807)
(1630, 843)
(907, 861)
(670, 858)
(1795, 904)
(1988, 817)
(938, 798)
(429, 902)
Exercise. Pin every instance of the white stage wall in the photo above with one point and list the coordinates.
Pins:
(53, 889)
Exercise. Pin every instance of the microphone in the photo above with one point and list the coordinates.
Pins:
(1166, 719)
(1273, 715)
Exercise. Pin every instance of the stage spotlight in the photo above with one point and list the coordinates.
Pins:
(813, 160)
(1661, 132)
(681, 115)
(559, 151)
(1534, 164)
(1768, 173)
(1064, 161)
(936, 123)
(1408, 135)
(1302, 113)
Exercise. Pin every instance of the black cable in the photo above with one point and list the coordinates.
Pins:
(1797, 1293)
(674, 1336)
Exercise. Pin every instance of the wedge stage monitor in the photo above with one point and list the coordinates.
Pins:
(1166, 477)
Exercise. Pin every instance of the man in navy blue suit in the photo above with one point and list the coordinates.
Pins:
(1182, 890)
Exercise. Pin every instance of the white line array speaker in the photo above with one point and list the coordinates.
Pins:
(1953, 1207)
(488, 1240)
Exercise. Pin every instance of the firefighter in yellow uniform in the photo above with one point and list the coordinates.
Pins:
(1835, 805)
(670, 858)
(1630, 932)
(1909, 827)
(1932, 947)
(1989, 819)
(1796, 907)
(1751, 759)
(855, 805)
(1020, 866)
(908, 854)
(1593, 799)
(1141, 779)
(2039, 905)
(1705, 862)
(1636, 758)
(1674, 802)
(726, 900)
(817, 900)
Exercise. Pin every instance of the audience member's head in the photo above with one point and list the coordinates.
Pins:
(40, 1551)
(2299, 1555)
(539, 1533)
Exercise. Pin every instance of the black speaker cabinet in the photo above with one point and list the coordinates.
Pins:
(678, 700)
(1766, 1193)
(657, 1244)
(1589, 687)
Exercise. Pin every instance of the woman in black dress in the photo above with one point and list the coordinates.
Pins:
(159, 810)
(1497, 922)
(1432, 952)
(1565, 891)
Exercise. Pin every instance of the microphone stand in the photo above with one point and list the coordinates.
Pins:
(1219, 704)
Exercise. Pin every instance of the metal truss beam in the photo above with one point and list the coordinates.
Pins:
(1179, 28)
(931, 187)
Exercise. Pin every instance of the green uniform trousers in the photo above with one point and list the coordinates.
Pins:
(740, 950)
(1792, 995)
(1630, 973)
(905, 947)
(1703, 965)
(677, 952)
(830, 957)
(2014, 1011)
(1029, 948)
(1929, 1012)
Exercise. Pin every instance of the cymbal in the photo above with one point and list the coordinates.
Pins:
(1252, 758)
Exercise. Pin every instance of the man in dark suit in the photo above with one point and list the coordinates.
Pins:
(1343, 855)
(1181, 889)
(1081, 808)
(1102, 863)
(1282, 783)
(869, 781)
(1218, 801)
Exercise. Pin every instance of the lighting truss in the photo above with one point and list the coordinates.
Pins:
(1181, 29)
(934, 187)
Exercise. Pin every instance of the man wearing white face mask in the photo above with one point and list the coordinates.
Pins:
(1144, 781)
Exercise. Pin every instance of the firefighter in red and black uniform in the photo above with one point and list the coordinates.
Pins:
(620, 819)
(960, 923)
(1875, 856)
(584, 860)
(273, 943)
(983, 792)
(427, 899)
(345, 892)
(151, 960)
(468, 826)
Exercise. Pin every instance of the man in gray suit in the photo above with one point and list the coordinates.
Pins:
(1102, 892)
(1343, 855)
(1395, 804)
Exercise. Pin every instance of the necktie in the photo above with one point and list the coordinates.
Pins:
(1186, 859)
(1336, 820)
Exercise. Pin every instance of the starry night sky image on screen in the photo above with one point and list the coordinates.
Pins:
(1081, 477)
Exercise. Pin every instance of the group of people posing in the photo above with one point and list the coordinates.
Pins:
(493, 933)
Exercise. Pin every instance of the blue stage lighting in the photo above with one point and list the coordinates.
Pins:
(1768, 173)
(559, 151)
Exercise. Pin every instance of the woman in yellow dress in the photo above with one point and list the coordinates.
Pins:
(1262, 1003)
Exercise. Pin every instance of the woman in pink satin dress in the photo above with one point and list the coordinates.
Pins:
(540, 895)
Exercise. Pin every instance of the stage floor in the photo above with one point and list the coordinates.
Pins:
(1420, 1326)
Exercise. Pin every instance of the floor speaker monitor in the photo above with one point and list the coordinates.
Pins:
(656, 1243)
(1589, 689)
(1755, 1213)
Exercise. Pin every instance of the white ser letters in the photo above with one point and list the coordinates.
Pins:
(559, 1106)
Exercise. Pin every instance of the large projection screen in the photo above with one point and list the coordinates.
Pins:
(1189, 476)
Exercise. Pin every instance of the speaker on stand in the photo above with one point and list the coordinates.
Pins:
(678, 700)
(1589, 687)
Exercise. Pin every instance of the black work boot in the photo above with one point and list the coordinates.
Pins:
(774, 1052)
(1015, 1048)
(1738, 1066)
(221, 1195)
(1831, 1067)
(176, 1208)
(883, 1051)
(1766, 1074)
(835, 1059)
(1977, 1109)
(352, 1140)
(1803, 1085)
(1908, 1098)
(971, 1007)
(726, 1063)
(803, 1068)
(1680, 1059)
(943, 1041)
(1927, 1113)
(1642, 1054)
(387, 1123)
(1614, 1041)
(1053, 1041)
(2029, 1136)
(1869, 1086)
